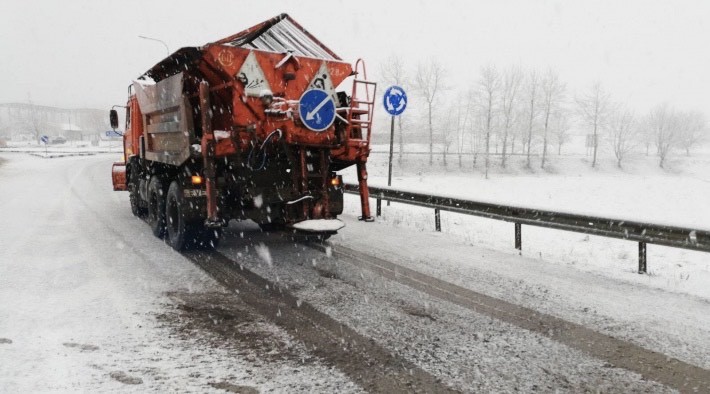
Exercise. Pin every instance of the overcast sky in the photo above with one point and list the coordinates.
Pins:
(85, 53)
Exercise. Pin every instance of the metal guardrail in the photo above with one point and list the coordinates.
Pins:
(643, 233)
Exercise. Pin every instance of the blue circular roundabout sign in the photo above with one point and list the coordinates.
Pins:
(395, 100)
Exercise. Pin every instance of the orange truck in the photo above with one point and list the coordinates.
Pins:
(252, 126)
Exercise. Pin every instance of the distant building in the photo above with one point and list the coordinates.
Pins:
(18, 121)
(72, 131)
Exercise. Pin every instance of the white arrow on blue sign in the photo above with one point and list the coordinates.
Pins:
(317, 109)
(395, 100)
(44, 139)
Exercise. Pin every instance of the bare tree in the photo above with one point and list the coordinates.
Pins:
(664, 122)
(552, 93)
(511, 81)
(532, 93)
(429, 82)
(476, 128)
(623, 130)
(593, 109)
(646, 133)
(393, 72)
(694, 130)
(560, 129)
(489, 89)
(450, 126)
(464, 110)
(519, 131)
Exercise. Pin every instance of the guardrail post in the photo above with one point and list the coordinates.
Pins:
(642, 257)
(379, 208)
(437, 219)
(518, 237)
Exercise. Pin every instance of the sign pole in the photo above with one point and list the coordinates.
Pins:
(45, 141)
(395, 101)
(389, 173)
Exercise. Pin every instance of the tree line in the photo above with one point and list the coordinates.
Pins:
(527, 112)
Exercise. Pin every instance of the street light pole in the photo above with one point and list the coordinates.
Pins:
(160, 41)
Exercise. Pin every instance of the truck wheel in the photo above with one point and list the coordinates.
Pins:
(181, 233)
(175, 218)
(135, 203)
(156, 207)
(134, 197)
(137, 206)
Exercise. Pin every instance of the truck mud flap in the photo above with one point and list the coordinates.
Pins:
(118, 176)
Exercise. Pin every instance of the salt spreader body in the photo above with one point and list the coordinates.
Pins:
(248, 127)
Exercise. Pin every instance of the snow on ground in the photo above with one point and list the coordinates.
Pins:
(91, 301)
(585, 279)
(671, 323)
(641, 192)
(466, 349)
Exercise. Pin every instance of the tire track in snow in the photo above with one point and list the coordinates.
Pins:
(360, 358)
(651, 365)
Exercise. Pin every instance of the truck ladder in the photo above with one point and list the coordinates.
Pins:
(360, 130)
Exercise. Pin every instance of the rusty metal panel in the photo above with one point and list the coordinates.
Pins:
(167, 119)
(160, 96)
(166, 142)
(165, 127)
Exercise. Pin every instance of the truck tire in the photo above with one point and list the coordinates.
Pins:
(179, 232)
(137, 207)
(134, 198)
(156, 207)
(185, 234)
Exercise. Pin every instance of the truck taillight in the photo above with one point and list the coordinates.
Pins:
(336, 181)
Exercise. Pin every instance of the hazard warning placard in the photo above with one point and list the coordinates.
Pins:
(252, 76)
(323, 81)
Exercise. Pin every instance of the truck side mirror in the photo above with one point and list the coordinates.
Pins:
(113, 117)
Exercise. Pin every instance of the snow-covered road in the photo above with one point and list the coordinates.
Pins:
(87, 295)
(90, 301)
